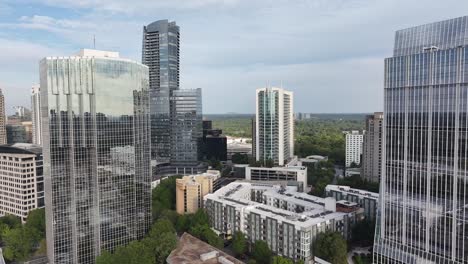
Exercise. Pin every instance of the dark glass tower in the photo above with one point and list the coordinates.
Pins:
(96, 140)
(161, 54)
(423, 214)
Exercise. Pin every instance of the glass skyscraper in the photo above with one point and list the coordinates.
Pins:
(423, 215)
(274, 133)
(161, 54)
(187, 128)
(96, 140)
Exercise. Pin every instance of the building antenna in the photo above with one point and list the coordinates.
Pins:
(94, 41)
(281, 84)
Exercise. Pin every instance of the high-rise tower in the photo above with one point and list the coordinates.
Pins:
(96, 141)
(36, 115)
(274, 134)
(3, 137)
(161, 55)
(424, 196)
(371, 163)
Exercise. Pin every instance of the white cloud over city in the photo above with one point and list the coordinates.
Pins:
(329, 52)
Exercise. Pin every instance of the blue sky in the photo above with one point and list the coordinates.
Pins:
(329, 52)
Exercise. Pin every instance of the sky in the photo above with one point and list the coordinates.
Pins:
(330, 53)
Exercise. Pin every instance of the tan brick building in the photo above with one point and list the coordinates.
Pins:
(191, 189)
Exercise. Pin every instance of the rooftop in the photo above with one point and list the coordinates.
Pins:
(316, 209)
(194, 251)
(347, 189)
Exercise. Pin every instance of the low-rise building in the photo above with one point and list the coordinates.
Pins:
(365, 199)
(311, 160)
(191, 189)
(287, 220)
(21, 179)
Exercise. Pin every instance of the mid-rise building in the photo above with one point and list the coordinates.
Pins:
(365, 199)
(191, 189)
(36, 115)
(96, 140)
(423, 212)
(161, 55)
(3, 134)
(353, 147)
(372, 148)
(274, 134)
(21, 179)
(287, 220)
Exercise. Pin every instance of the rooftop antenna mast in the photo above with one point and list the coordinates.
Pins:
(94, 41)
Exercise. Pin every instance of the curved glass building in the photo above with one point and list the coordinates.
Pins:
(96, 139)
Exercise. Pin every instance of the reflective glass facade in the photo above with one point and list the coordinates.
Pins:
(423, 215)
(187, 128)
(96, 139)
(161, 54)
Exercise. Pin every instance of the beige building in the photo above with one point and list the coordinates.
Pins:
(191, 189)
(3, 137)
(21, 179)
(372, 148)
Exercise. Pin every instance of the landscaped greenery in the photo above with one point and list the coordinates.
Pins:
(363, 233)
(357, 182)
(331, 247)
(319, 176)
(153, 249)
(21, 242)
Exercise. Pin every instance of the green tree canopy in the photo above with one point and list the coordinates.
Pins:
(239, 243)
(36, 220)
(331, 247)
(19, 243)
(261, 252)
(282, 260)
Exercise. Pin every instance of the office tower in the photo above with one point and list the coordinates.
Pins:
(353, 147)
(16, 134)
(424, 207)
(161, 55)
(214, 145)
(96, 140)
(3, 135)
(21, 190)
(186, 127)
(191, 189)
(372, 148)
(36, 115)
(274, 139)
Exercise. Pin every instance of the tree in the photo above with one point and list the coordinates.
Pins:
(11, 221)
(281, 260)
(261, 252)
(183, 223)
(106, 258)
(134, 253)
(160, 227)
(19, 243)
(36, 220)
(201, 218)
(331, 247)
(239, 243)
(239, 158)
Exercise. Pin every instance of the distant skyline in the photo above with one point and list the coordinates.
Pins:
(329, 53)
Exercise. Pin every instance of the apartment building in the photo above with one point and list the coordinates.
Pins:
(287, 220)
(191, 189)
(365, 199)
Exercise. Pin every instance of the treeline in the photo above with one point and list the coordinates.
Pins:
(21, 242)
(319, 176)
(324, 137)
